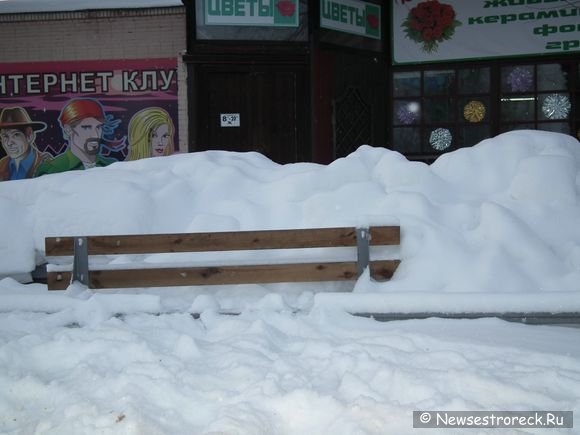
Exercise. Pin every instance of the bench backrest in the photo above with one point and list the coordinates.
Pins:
(83, 247)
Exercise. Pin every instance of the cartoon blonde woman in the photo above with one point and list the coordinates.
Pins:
(151, 133)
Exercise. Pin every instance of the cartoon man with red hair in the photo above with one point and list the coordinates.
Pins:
(84, 125)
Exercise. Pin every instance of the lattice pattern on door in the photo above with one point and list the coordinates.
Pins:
(352, 122)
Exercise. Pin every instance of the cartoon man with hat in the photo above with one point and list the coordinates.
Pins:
(18, 135)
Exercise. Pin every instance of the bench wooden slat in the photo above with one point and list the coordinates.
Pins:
(58, 280)
(262, 274)
(223, 241)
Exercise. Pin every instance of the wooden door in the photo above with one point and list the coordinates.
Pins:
(350, 102)
(272, 105)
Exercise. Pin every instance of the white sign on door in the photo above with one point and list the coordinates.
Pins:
(230, 119)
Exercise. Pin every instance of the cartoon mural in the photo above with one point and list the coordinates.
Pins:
(85, 126)
(151, 134)
(61, 116)
(18, 136)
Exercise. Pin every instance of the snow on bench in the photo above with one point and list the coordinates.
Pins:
(139, 275)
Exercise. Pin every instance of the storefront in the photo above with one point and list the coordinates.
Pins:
(313, 81)
(294, 80)
(465, 71)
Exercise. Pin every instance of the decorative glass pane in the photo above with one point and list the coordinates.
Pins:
(406, 140)
(520, 108)
(517, 79)
(473, 134)
(558, 127)
(439, 110)
(554, 106)
(407, 84)
(552, 77)
(439, 82)
(407, 112)
(474, 110)
(440, 139)
(473, 81)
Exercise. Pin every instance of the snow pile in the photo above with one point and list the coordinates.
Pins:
(492, 228)
(501, 217)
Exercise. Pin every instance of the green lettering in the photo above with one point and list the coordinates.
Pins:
(325, 9)
(227, 7)
(265, 9)
(527, 16)
(360, 18)
(239, 8)
(545, 30)
(491, 19)
(475, 20)
(343, 11)
(252, 4)
(568, 28)
(568, 12)
(494, 3)
(213, 7)
(335, 12)
(544, 15)
(352, 15)
(508, 18)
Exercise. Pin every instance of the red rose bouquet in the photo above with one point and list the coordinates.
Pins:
(430, 23)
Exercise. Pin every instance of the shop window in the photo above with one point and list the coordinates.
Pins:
(407, 84)
(552, 77)
(537, 97)
(518, 108)
(436, 111)
(408, 140)
(473, 81)
(448, 108)
(439, 82)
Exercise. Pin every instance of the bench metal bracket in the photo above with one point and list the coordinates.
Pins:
(81, 261)
(363, 238)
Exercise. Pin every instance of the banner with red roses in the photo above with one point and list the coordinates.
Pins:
(443, 30)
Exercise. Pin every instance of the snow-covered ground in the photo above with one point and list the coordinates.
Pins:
(490, 228)
(273, 373)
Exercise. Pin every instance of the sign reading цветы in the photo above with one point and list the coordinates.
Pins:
(351, 16)
(274, 13)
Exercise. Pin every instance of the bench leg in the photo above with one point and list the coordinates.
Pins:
(81, 261)
(362, 245)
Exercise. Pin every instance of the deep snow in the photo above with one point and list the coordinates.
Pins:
(490, 228)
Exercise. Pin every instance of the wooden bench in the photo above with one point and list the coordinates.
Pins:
(144, 275)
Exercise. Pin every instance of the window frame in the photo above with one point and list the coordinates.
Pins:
(493, 117)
